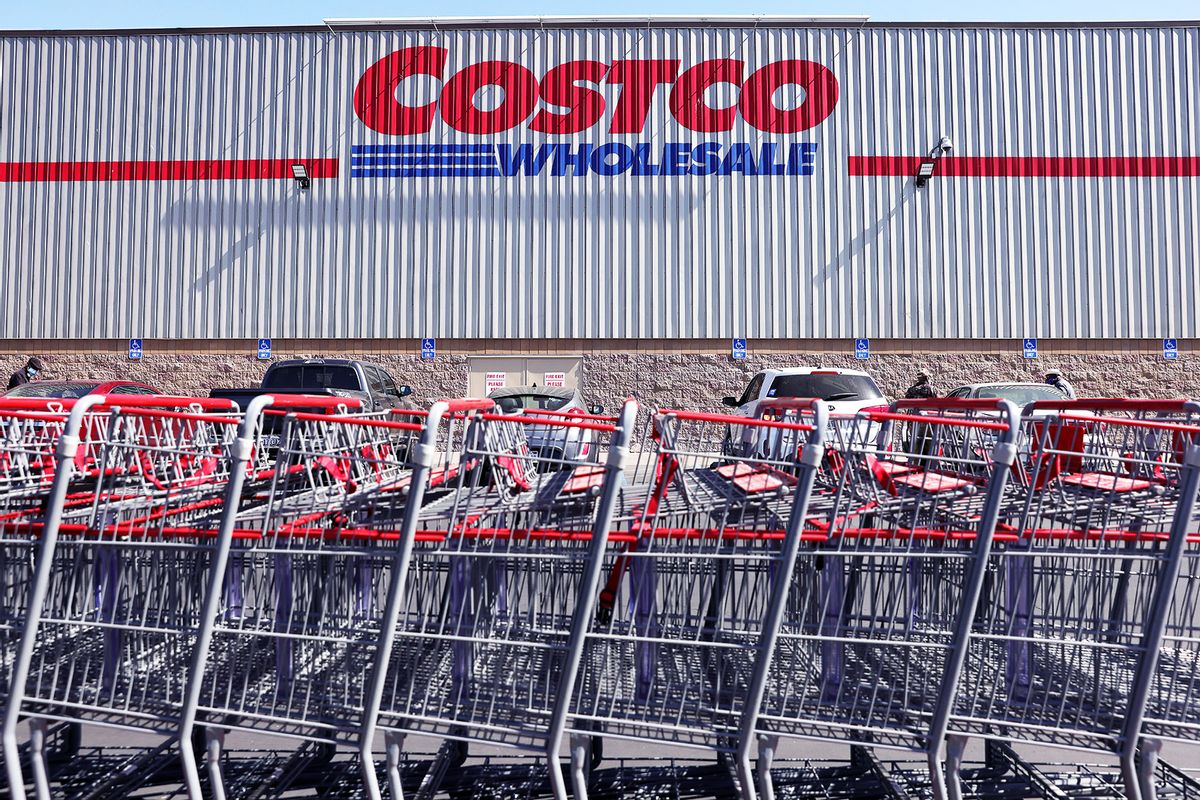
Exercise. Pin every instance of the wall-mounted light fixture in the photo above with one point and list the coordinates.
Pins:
(929, 164)
(925, 171)
(300, 173)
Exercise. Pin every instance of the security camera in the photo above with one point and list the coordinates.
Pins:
(945, 145)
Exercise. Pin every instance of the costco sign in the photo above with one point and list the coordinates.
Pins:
(589, 97)
(528, 100)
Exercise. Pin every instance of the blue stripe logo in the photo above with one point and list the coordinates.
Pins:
(423, 161)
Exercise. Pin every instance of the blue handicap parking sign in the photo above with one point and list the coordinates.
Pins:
(428, 349)
(862, 349)
(1029, 348)
(1170, 349)
(739, 348)
(264, 349)
(135, 349)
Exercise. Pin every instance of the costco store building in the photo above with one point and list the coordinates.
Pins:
(611, 199)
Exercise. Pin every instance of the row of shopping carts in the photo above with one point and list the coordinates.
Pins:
(906, 580)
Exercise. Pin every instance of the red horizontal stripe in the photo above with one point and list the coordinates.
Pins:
(1032, 166)
(225, 170)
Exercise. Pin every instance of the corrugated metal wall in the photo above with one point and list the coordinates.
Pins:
(830, 255)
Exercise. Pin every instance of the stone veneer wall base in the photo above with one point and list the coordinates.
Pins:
(696, 380)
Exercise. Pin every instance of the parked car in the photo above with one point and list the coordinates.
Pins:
(333, 377)
(847, 391)
(550, 441)
(1022, 394)
(1090, 435)
(71, 390)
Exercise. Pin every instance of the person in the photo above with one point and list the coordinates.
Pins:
(22, 376)
(921, 390)
(921, 435)
(1055, 379)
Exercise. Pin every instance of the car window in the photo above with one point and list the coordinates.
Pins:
(374, 379)
(531, 402)
(312, 376)
(1022, 394)
(752, 389)
(124, 389)
(389, 385)
(827, 386)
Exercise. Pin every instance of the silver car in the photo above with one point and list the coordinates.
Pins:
(550, 441)
(1021, 394)
(1024, 394)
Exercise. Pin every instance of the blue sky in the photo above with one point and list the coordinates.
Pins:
(139, 13)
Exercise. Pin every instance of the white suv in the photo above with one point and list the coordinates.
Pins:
(846, 391)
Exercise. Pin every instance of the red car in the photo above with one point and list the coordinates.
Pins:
(69, 390)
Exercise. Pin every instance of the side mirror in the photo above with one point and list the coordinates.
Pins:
(595, 408)
(732, 402)
(405, 391)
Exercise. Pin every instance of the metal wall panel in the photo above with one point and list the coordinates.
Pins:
(829, 255)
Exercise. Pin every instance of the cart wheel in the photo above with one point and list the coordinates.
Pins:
(458, 754)
(67, 739)
(199, 748)
(72, 740)
(325, 751)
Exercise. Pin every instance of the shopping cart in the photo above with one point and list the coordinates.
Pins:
(1171, 692)
(139, 490)
(129, 484)
(871, 638)
(693, 579)
(504, 571)
(1063, 649)
(29, 433)
(300, 581)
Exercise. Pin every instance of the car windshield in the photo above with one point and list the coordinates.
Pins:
(825, 387)
(45, 389)
(1021, 394)
(531, 402)
(312, 376)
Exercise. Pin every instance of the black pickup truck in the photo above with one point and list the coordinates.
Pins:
(332, 377)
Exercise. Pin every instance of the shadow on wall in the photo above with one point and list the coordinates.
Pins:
(243, 222)
(381, 204)
(868, 236)
(235, 228)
